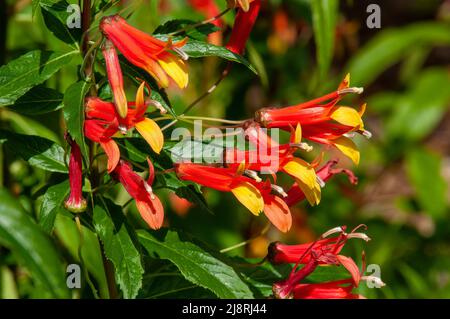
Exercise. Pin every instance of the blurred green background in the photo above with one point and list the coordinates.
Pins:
(404, 67)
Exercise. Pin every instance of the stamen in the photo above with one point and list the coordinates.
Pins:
(375, 280)
(181, 53)
(149, 190)
(332, 231)
(359, 235)
(350, 134)
(123, 129)
(320, 181)
(279, 190)
(304, 146)
(356, 90)
(366, 134)
(156, 104)
(253, 175)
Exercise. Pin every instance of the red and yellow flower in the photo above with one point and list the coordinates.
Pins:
(322, 120)
(271, 156)
(147, 203)
(103, 123)
(243, 24)
(256, 196)
(146, 52)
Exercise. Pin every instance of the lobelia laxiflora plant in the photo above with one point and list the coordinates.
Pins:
(119, 149)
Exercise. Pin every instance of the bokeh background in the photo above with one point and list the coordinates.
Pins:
(404, 66)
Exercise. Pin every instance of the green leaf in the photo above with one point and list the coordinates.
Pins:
(199, 32)
(199, 49)
(164, 280)
(39, 152)
(51, 204)
(24, 237)
(35, 6)
(119, 244)
(74, 113)
(29, 70)
(38, 100)
(28, 126)
(67, 232)
(324, 15)
(389, 46)
(417, 113)
(56, 16)
(424, 172)
(196, 265)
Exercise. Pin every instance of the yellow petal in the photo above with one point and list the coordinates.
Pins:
(298, 134)
(348, 148)
(176, 69)
(245, 5)
(306, 179)
(140, 98)
(241, 168)
(347, 116)
(151, 132)
(157, 72)
(249, 196)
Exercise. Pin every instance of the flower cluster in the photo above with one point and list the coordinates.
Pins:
(320, 120)
(326, 251)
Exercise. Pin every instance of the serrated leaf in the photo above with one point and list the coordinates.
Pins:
(163, 280)
(38, 100)
(200, 32)
(324, 14)
(20, 75)
(118, 242)
(39, 152)
(23, 236)
(52, 202)
(424, 172)
(196, 265)
(74, 113)
(56, 18)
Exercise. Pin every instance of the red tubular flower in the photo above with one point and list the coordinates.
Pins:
(147, 52)
(75, 202)
(321, 119)
(147, 203)
(243, 25)
(295, 194)
(210, 10)
(279, 253)
(102, 123)
(115, 77)
(321, 252)
(273, 158)
(255, 196)
(224, 180)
